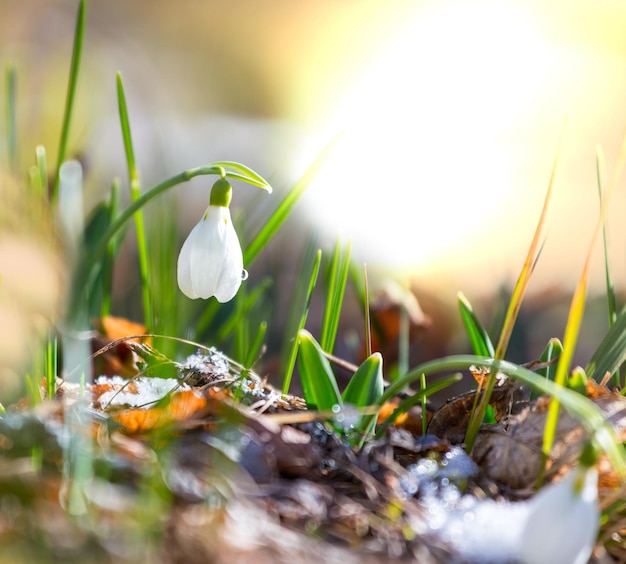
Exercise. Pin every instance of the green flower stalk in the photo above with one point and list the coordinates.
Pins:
(210, 261)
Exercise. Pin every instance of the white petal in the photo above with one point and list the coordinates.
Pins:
(188, 258)
(230, 276)
(207, 254)
(210, 262)
(184, 267)
(563, 523)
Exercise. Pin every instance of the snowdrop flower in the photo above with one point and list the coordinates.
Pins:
(563, 520)
(211, 262)
(70, 207)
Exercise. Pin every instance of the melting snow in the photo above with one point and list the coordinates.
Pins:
(482, 531)
(214, 363)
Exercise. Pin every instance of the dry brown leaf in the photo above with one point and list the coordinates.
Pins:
(512, 455)
(183, 405)
(450, 421)
(118, 327)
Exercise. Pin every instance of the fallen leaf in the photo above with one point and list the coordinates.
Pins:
(450, 421)
(182, 406)
(118, 327)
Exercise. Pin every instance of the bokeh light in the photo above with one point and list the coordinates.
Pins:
(450, 132)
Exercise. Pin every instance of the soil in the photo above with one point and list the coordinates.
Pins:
(226, 469)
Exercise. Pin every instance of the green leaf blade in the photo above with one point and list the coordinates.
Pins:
(125, 125)
(11, 112)
(478, 336)
(340, 268)
(77, 48)
(365, 389)
(550, 353)
(611, 353)
(366, 385)
(319, 385)
(293, 350)
(135, 194)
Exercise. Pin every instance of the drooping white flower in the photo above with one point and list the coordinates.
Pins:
(211, 262)
(70, 208)
(563, 520)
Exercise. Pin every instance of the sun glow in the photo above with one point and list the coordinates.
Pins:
(424, 167)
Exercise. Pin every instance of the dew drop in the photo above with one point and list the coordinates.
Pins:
(244, 274)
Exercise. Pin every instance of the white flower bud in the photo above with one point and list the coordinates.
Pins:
(563, 520)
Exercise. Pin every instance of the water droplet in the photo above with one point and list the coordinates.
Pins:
(346, 416)
(244, 274)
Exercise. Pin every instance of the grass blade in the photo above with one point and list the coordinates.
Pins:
(135, 194)
(71, 93)
(338, 278)
(333, 273)
(293, 351)
(113, 247)
(52, 365)
(126, 134)
(337, 305)
(319, 385)
(479, 339)
(611, 353)
(574, 319)
(242, 327)
(404, 340)
(244, 304)
(553, 350)
(610, 290)
(42, 170)
(366, 308)
(38, 174)
(257, 344)
(11, 82)
(424, 404)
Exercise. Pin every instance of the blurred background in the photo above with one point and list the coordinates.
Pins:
(450, 113)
